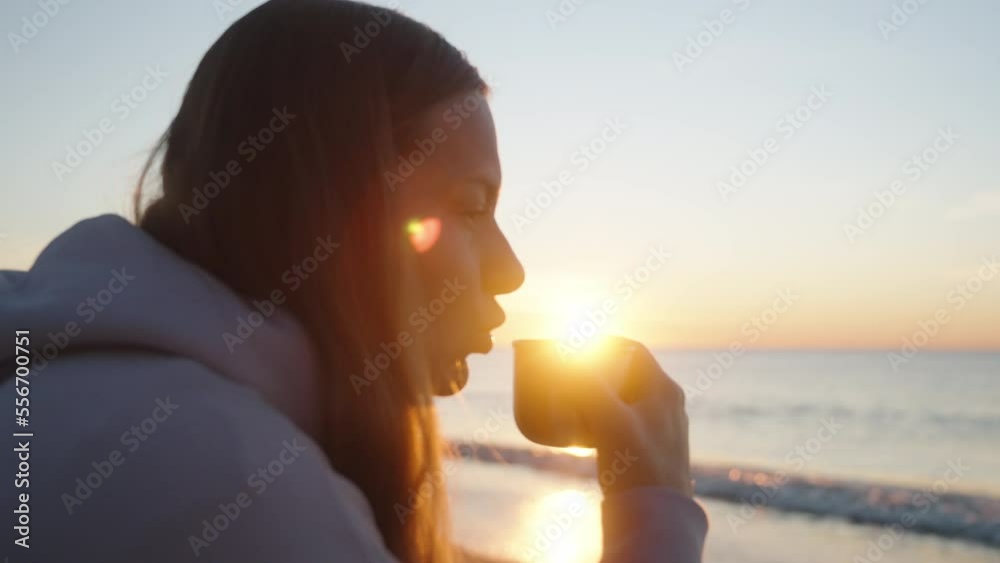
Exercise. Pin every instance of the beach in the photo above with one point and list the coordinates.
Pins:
(797, 456)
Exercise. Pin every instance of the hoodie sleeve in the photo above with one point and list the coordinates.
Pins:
(653, 524)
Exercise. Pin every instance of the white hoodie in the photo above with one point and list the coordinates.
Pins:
(153, 441)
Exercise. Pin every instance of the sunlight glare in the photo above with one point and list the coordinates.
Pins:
(572, 310)
(563, 527)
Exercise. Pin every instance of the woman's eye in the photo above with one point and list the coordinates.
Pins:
(475, 213)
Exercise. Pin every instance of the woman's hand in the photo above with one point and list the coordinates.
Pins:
(642, 443)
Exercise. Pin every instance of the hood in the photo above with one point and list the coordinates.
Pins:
(106, 283)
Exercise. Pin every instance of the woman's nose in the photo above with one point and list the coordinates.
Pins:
(502, 271)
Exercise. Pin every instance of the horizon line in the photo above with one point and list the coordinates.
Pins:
(954, 350)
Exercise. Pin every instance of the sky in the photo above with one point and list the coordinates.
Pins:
(692, 174)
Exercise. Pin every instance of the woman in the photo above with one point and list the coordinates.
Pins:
(247, 375)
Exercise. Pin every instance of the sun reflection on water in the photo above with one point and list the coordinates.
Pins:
(562, 527)
(578, 451)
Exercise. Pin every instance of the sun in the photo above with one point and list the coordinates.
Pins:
(580, 317)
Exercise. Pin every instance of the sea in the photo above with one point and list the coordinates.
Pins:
(798, 456)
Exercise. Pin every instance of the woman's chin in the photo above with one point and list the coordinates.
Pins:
(450, 377)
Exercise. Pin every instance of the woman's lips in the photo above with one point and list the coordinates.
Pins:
(482, 342)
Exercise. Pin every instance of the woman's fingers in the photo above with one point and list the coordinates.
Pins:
(651, 430)
(650, 382)
(604, 413)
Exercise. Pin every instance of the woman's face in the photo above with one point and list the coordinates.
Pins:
(448, 182)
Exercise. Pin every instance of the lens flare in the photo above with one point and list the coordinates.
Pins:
(424, 233)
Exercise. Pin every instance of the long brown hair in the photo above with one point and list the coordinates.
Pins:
(337, 84)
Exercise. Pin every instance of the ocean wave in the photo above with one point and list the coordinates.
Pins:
(951, 515)
(944, 421)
